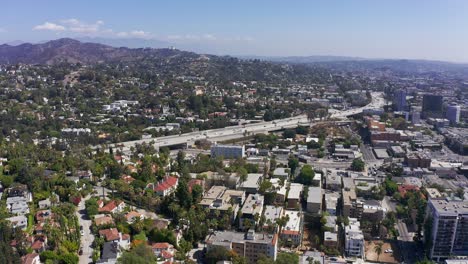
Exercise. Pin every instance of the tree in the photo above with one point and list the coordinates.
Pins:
(358, 165)
(390, 187)
(306, 176)
(287, 258)
(183, 195)
(293, 163)
(378, 249)
(289, 133)
(141, 254)
(215, 254)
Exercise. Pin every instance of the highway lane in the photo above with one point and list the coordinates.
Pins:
(232, 132)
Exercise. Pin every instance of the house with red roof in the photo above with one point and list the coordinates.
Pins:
(38, 243)
(112, 207)
(165, 187)
(113, 235)
(127, 179)
(403, 189)
(133, 215)
(194, 182)
(163, 250)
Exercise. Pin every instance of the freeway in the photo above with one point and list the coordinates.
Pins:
(233, 132)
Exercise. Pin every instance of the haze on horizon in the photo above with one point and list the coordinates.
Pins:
(433, 30)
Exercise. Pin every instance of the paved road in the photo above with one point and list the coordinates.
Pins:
(240, 131)
(367, 153)
(87, 238)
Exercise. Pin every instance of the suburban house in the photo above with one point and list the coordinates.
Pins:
(112, 207)
(164, 187)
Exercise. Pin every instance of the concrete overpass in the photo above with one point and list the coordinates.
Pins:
(234, 132)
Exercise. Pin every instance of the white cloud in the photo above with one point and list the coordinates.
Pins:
(192, 37)
(134, 33)
(75, 25)
(49, 26)
(2, 30)
(90, 29)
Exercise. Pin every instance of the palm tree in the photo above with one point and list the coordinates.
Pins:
(378, 249)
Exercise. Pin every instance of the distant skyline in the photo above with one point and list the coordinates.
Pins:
(428, 29)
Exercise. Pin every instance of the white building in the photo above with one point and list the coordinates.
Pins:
(292, 231)
(354, 239)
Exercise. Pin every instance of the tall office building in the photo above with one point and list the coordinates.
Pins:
(453, 113)
(416, 117)
(449, 233)
(432, 105)
(400, 100)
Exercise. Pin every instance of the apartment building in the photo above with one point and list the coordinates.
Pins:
(220, 198)
(449, 233)
(251, 211)
(354, 239)
(249, 245)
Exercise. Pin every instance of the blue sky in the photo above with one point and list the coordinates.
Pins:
(423, 29)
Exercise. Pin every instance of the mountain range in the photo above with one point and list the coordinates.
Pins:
(87, 51)
(73, 51)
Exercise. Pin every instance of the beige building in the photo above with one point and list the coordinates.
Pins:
(249, 245)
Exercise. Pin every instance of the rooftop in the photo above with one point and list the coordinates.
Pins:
(294, 223)
(444, 206)
(314, 195)
(223, 237)
(253, 204)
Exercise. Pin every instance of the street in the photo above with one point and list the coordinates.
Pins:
(87, 238)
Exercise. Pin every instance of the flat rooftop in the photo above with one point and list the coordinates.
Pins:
(272, 213)
(294, 223)
(224, 237)
(314, 195)
(445, 206)
(253, 204)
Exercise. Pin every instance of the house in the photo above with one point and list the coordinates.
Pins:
(103, 220)
(43, 215)
(164, 187)
(403, 189)
(127, 179)
(194, 182)
(17, 205)
(132, 216)
(32, 258)
(44, 204)
(110, 253)
(84, 175)
(39, 243)
(113, 235)
(113, 207)
(18, 221)
(164, 250)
